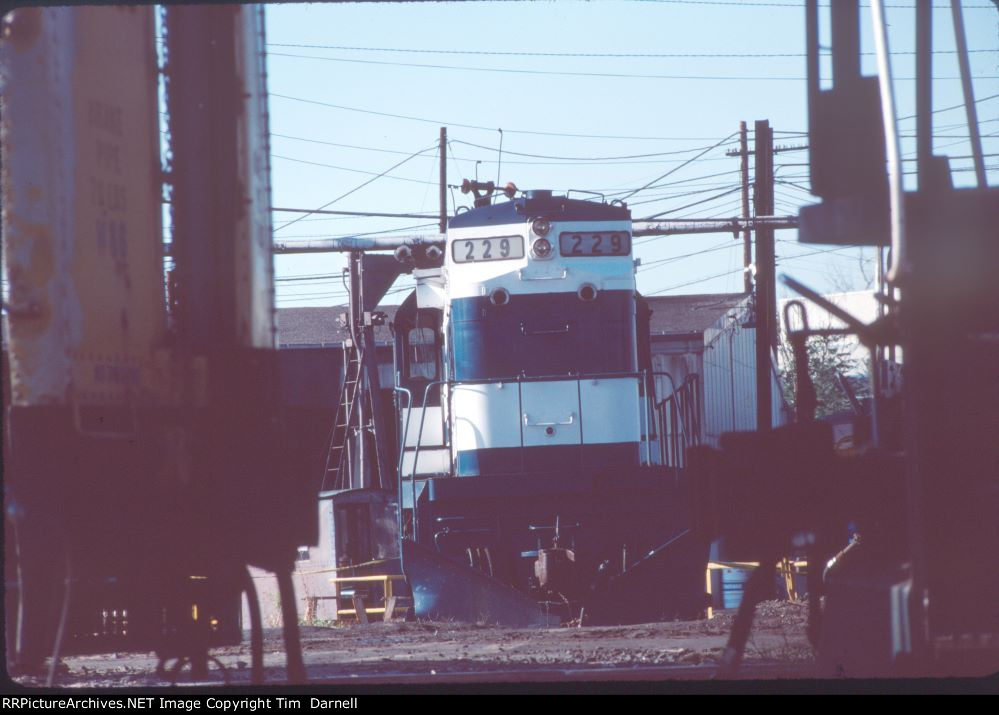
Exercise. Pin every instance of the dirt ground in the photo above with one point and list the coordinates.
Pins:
(439, 652)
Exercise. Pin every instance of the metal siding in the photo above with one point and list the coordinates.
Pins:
(485, 416)
(729, 379)
(81, 215)
(432, 461)
(550, 406)
(220, 174)
(255, 262)
(717, 391)
(433, 427)
(609, 410)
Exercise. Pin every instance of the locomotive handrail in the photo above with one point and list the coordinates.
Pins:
(529, 277)
(416, 452)
(528, 423)
(685, 437)
(554, 331)
(546, 378)
(402, 453)
(643, 416)
(658, 410)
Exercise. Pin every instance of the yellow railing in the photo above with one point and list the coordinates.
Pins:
(787, 568)
(386, 581)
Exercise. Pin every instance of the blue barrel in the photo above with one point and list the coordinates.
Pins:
(733, 584)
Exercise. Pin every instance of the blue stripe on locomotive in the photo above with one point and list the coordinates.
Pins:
(576, 458)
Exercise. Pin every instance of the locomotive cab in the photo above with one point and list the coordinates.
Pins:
(541, 325)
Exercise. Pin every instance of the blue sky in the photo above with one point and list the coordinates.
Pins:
(480, 67)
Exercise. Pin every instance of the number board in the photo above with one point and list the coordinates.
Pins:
(497, 248)
(591, 243)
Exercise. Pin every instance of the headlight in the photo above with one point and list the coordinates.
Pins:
(541, 248)
(541, 227)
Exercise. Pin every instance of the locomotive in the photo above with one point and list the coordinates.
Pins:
(530, 448)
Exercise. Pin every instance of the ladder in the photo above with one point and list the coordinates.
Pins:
(334, 473)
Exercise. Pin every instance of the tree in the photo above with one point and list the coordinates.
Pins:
(829, 358)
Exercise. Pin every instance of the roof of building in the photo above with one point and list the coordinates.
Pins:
(687, 314)
(319, 327)
(671, 315)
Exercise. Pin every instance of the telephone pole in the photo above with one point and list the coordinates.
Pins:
(443, 153)
(766, 293)
(747, 243)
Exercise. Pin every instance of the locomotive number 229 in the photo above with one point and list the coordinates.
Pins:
(499, 248)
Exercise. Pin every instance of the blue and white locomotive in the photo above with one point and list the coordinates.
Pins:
(530, 448)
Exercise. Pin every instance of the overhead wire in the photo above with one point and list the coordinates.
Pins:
(677, 168)
(353, 171)
(367, 233)
(663, 261)
(695, 203)
(578, 158)
(359, 187)
(597, 55)
(570, 73)
(694, 192)
(792, 6)
(740, 269)
(441, 122)
(557, 160)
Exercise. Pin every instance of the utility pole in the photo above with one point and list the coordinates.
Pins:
(744, 153)
(766, 293)
(443, 152)
(747, 244)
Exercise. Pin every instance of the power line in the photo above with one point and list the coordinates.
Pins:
(568, 73)
(699, 280)
(298, 297)
(563, 159)
(954, 106)
(675, 169)
(442, 122)
(345, 146)
(668, 196)
(357, 188)
(663, 261)
(345, 168)
(598, 55)
(695, 203)
(353, 213)
(740, 269)
(304, 279)
(582, 158)
(367, 233)
(794, 6)
(617, 191)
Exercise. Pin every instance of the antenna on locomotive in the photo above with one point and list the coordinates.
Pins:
(499, 160)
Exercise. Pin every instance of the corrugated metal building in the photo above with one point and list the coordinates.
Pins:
(709, 340)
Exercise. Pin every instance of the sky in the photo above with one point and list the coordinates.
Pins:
(603, 97)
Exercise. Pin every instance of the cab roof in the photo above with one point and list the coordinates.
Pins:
(540, 204)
